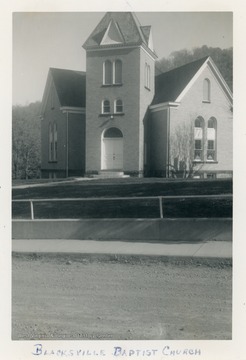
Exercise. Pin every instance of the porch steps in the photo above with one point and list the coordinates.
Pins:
(104, 174)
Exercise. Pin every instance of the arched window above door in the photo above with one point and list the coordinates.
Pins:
(113, 132)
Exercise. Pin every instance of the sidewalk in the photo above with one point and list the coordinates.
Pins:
(221, 249)
(51, 183)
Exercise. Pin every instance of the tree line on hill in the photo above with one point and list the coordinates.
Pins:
(223, 59)
(26, 124)
(26, 141)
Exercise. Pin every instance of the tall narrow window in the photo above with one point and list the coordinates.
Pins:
(211, 140)
(106, 107)
(55, 142)
(206, 90)
(50, 142)
(118, 72)
(52, 96)
(107, 73)
(118, 106)
(198, 139)
(147, 76)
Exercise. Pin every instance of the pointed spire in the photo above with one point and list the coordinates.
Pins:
(117, 28)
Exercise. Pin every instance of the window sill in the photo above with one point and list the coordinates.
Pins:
(111, 115)
(111, 85)
(206, 101)
(52, 161)
(205, 161)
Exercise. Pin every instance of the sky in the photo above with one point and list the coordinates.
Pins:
(54, 39)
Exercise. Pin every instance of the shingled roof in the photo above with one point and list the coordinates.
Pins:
(70, 86)
(170, 84)
(128, 25)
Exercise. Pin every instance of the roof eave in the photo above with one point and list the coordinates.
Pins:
(208, 62)
(122, 45)
(73, 109)
(219, 76)
(48, 84)
(163, 106)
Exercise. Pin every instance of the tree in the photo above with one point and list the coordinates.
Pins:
(25, 141)
(181, 162)
(223, 59)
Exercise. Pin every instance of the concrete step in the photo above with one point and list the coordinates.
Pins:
(105, 174)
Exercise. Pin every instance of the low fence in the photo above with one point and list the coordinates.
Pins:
(190, 206)
(152, 219)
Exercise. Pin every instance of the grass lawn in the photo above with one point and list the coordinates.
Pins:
(126, 188)
(128, 208)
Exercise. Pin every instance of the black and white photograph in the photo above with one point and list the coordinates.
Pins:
(123, 181)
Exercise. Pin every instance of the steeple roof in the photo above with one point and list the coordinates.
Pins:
(119, 28)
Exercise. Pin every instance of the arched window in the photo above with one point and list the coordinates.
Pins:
(199, 139)
(50, 142)
(106, 107)
(52, 98)
(211, 139)
(113, 133)
(107, 73)
(147, 76)
(55, 142)
(206, 90)
(118, 106)
(118, 72)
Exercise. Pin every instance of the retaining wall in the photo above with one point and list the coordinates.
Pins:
(188, 229)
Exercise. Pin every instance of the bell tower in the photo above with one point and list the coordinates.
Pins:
(120, 86)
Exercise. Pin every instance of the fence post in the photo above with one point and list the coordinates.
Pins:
(160, 204)
(32, 210)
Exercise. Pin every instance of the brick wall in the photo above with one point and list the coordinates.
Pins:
(192, 105)
(135, 101)
(76, 123)
(76, 143)
(53, 115)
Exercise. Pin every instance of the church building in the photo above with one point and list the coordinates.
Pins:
(124, 117)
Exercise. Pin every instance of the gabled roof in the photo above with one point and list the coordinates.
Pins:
(172, 85)
(169, 85)
(127, 28)
(70, 86)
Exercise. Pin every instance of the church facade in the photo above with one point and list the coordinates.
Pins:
(122, 116)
